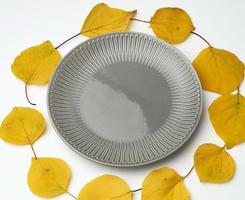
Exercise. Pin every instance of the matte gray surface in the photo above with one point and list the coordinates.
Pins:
(124, 99)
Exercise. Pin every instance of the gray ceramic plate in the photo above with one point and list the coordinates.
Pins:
(125, 99)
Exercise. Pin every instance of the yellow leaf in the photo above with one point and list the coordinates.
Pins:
(104, 19)
(48, 177)
(164, 184)
(227, 114)
(22, 126)
(219, 70)
(213, 164)
(106, 187)
(36, 64)
(173, 25)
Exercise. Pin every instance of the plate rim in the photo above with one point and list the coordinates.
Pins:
(183, 142)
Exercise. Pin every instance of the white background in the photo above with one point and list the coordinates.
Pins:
(27, 22)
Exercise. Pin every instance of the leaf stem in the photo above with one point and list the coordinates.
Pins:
(189, 172)
(139, 189)
(31, 145)
(33, 151)
(202, 38)
(136, 190)
(93, 29)
(71, 195)
(140, 20)
(238, 95)
(26, 93)
(70, 38)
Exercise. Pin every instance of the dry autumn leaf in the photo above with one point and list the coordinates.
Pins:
(22, 126)
(36, 64)
(48, 177)
(164, 184)
(173, 25)
(213, 164)
(104, 19)
(219, 70)
(227, 114)
(106, 187)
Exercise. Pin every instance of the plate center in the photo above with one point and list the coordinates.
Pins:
(125, 102)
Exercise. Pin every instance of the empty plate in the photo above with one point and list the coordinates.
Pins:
(125, 99)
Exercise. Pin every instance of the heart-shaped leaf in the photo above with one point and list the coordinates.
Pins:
(219, 70)
(173, 25)
(22, 126)
(164, 184)
(104, 19)
(106, 187)
(36, 64)
(213, 164)
(48, 177)
(227, 114)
